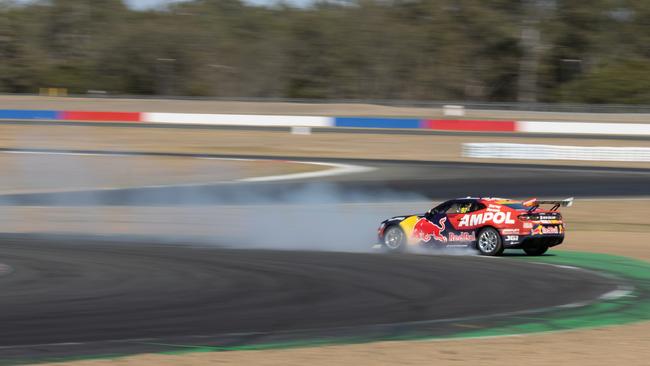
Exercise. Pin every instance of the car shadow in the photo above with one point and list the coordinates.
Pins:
(522, 254)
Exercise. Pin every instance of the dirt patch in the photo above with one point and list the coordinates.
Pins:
(607, 346)
(276, 143)
(619, 227)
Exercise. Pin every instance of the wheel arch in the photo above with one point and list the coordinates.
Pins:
(478, 231)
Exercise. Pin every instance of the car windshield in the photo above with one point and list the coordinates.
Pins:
(441, 207)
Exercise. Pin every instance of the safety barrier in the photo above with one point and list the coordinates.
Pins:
(555, 152)
(236, 119)
(471, 125)
(343, 122)
(583, 128)
(22, 114)
(377, 122)
(100, 116)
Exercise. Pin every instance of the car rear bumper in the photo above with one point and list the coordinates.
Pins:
(549, 240)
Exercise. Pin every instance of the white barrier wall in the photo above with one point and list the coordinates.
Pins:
(555, 152)
(583, 128)
(237, 119)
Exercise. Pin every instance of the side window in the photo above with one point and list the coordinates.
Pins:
(463, 207)
(477, 206)
(459, 207)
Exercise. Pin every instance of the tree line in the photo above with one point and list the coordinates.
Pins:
(496, 50)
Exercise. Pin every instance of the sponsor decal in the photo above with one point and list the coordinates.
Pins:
(510, 231)
(540, 230)
(464, 236)
(512, 237)
(528, 225)
(550, 230)
(547, 217)
(482, 218)
(493, 208)
(426, 230)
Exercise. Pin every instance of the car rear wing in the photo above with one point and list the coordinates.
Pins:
(534, 203)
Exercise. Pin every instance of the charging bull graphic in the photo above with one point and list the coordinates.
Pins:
(425, 230)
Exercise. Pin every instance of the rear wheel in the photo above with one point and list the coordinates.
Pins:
(489, 242)
(394, 239)
(536, 250)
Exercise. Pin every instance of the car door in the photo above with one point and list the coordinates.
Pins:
(459, 234)
(432, 227)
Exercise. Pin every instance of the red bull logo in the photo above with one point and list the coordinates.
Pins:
(541, 230)
(464, 236)
(426, 230)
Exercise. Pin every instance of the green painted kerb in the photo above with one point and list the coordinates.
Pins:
(631, 308)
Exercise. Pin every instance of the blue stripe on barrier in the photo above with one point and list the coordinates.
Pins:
(371, 122)
(27, 114)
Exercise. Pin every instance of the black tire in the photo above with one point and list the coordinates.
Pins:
(489, 242)
(536, 250)
(394, 239)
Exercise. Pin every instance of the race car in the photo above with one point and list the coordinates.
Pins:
(489, 225)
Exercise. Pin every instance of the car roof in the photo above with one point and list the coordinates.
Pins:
(493, 200)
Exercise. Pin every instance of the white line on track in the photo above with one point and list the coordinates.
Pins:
(616, 294)
(336, 169)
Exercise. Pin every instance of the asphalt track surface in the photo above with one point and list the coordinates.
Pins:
(69, 296)
(73, 296)
(416, 180)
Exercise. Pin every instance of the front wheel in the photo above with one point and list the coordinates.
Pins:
(489, 242)
(536, 250)
(395, 239)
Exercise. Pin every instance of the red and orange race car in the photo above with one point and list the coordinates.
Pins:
(489, 225)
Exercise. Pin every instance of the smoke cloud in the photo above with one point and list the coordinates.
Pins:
(305, 216)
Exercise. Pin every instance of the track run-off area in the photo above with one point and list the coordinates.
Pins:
(69, 296)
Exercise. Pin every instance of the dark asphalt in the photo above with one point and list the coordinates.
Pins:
(74, 296)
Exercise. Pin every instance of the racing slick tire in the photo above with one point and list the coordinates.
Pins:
(536, 250)
(489, 242)
(394, 239)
